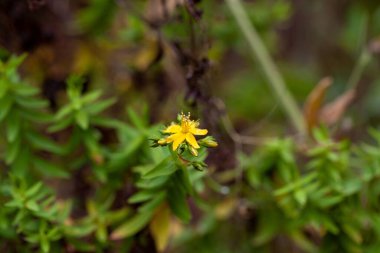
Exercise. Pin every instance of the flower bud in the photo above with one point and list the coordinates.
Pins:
(208, 142)
(161, 141)
(197, 166)
(193, 151)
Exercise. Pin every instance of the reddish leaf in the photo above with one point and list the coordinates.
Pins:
(314, 102)
(332, 112)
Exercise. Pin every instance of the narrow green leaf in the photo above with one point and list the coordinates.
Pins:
(67, 109)
(141, 196)
(41, 142)
(153, 183)
(82, 119)
(31, 103)
(5, 105)
(13, 126)
(132, 226)
(60, 125)
(116, 216)
(135, 119)
(164, 168)
(12, 151)
(32, 206)
(100, 106)
(33, 190)
(91, 97)
(121, 159)
(45, 244)
(26, 90)
(49, 169)
(151, 205)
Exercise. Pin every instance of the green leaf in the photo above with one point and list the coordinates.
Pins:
(31, 103)
(135, 119)
(91, 97)
(301, 197)
(13, 126)
(117, 215)
(82, 119)
(101, 233)
(32, 206)
(141, 196)
(36, 116)
(5, 105)
(164, 168)
(62, 124)
(80, 230)
(153, 183)
(296, 184)
(107, 122)
(26, 90)
(151, 205)
(98, 107)
(15, 203)
(12, 151)
(177, 202)
(4, 87)
(50, 169)
(45, 244)
(41, 142)
(120, 160)
(81, 246)
(183, 178)
(33, 190)
(132, 226)
(67, 109)
(54, 234)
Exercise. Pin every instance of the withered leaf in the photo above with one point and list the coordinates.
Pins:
(314, 103)
(333, 112)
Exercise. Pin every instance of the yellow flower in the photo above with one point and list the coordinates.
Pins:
(185, 131)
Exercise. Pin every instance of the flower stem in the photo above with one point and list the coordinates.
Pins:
(274, 77)
(364, 59)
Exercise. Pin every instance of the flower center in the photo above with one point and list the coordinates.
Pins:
(185, 125)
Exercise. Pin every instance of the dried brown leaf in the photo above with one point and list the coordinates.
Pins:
(333, 112)
(314, 102)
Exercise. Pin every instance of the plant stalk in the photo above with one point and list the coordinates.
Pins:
(271, 72)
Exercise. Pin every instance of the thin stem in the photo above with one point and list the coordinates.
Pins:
(361, 64)
(274, 77)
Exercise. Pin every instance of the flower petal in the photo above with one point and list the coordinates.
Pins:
(197, 131)
(178, 138)
(194, 123)
(172, 129)
(191, 140)
(170, 138)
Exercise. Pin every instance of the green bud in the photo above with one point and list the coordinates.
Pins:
(209, 142)
(158, 142)
(193, 151)
(197, 166)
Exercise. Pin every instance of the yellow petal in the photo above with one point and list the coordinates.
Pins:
(194, 123)
(173, 129)
(170, 138)
(191, 140)
(178, 138)
(197, 131)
